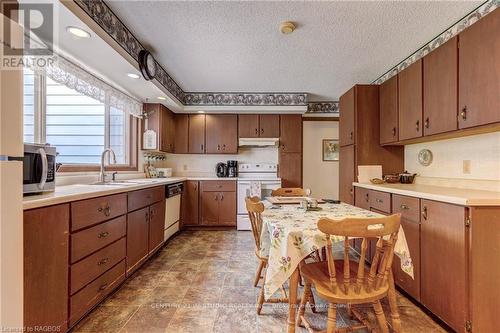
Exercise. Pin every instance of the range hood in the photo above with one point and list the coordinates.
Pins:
(258, 142)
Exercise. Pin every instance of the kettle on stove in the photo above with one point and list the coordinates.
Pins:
(221, 169)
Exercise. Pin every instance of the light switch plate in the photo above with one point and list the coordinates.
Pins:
(466, 167)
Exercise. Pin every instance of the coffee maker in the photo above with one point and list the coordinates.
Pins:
(232, 168)
(221, 170)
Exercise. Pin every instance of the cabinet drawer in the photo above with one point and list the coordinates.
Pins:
(90, 240)
(219, 186)
(146, 197)
(380, 201)
(92, 211)
(91, 267)
(408, 207)
(92, 294)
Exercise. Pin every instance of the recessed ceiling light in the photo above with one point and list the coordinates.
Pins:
(287, 27)
(200, 111)
(133, 75)
(161, 98)
(78, 32)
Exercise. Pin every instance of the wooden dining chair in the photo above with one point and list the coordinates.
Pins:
(255, 209)
(288, 192)
(368, 285)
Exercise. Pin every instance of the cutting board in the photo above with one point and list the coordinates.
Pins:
(289, 200)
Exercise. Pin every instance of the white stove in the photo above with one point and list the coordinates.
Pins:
(266, 175)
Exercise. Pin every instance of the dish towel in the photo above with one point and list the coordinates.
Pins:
(255, 190)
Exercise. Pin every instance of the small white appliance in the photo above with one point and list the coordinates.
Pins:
(266, 175)
(172, 209)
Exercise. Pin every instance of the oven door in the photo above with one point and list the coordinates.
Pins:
(267, 186)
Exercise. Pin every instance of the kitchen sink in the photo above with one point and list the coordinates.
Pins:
(116, 183)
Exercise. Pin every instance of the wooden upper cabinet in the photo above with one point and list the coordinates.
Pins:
(290, 169)
(160, 120)
(479, 72)
(443, 267)
(181, 140)
(269, 125)
(291, 133)
(46, 274)
(221, 134)
(346, 120)
(440, 89)
(389, 128)
(248, 126)
(346, 174)
(410, 101)
(168, 130)
(196, 134)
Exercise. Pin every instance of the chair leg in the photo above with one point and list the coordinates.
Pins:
(331, 323)
(260, 300)
(393, 305)
(349, 311)
(303, 302)
(259, 272)
(379, 313)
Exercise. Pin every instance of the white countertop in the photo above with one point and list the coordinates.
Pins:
(458, 196)
(68, 193)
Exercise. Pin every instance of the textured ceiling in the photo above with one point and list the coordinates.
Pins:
(236, 46)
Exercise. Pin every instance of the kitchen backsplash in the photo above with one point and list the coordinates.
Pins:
(468, 162)
(204, 165)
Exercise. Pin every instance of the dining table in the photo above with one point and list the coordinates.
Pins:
(290, 234)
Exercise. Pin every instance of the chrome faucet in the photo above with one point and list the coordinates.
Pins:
(102, 175)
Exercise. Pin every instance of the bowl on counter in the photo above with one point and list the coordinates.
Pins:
(392, 179)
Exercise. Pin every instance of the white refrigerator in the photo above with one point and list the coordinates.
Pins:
(11, 193)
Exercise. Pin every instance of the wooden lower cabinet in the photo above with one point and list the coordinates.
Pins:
(46, 275)
(156, 225)
(346, 174)
(137, 237)
(190, 203)
(290, 169)
(217, 206)
(443, 262)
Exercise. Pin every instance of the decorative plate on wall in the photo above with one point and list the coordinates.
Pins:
(425, 157)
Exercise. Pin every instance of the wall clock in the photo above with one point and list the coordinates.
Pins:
(147, 65)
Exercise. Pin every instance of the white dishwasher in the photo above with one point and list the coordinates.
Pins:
(172, 209)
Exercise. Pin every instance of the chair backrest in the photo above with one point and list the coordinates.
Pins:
(255, 209)
(288, 192)
(385, 229)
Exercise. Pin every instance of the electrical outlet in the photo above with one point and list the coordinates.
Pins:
(184, 167)
(466, 167)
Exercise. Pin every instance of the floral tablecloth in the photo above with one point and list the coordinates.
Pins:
(290, 234)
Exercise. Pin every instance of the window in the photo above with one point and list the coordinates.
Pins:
(80, 127)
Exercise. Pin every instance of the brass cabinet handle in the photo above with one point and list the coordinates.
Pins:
(216, 197)
(147, 216)
(403, 206)
(103, 262)
(221, 196)
(256, 131)
(103, 234)
(394, 131)
(201, 147)
(218, 147)
(379, 200)
(262, 131)
(463, 113)
(426, 122)
(224, 147)
(367, 197)
(106, 210)
(102, 287)
(151, 214)
(351, 135)
(417, 125)
(424, 212)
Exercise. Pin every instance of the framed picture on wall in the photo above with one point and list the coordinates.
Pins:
(330, 150)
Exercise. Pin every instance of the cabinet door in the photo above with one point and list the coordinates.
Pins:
(227, 208)
(248, 126)
(290, 169)
(440, 89)
(181, 123)
(196, 134)
(410, 222)
(362, 198)
(221, 134)
(153, 123)
(190, 203)
(46, 252)
(389, 111)
(479, 72)
(269, 125)
(346, 174)
(156, 224)
(410, 101)
(209, 208)
(347, 115)
(443, 262)
(291, 133)
(166, 130)
(137, 237)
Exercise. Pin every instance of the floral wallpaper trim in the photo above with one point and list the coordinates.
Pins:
(323, 107)
(486, 8)
(114, 27)
(265, 99)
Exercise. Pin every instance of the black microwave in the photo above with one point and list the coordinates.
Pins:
(39, 168)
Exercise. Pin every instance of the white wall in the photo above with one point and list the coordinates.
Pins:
(483, 152)
(321, 177)
(204, 165)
